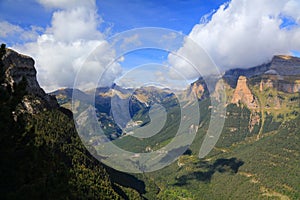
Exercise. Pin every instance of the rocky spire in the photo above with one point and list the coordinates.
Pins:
(243, 94)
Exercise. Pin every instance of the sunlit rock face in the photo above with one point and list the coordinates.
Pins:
(17, 68)
(243, 94)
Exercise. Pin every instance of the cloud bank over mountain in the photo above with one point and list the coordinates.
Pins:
(244, 33)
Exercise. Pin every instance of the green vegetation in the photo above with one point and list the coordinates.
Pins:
(263, 169)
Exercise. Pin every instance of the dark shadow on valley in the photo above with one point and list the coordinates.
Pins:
(221, 165)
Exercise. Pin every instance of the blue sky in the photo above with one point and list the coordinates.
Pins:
(117, 15)
(179, 15)
(60, 34)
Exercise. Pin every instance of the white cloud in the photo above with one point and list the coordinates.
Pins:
(8, 29)
(32, 34)
(73, 24)
(62, 49)
(245, 33)
(291, 8)
(133, 40)
(16, 33)
(66, 4)
(190, 61)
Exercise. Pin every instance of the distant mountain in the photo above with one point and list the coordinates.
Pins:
(280, 65)
(139, 102)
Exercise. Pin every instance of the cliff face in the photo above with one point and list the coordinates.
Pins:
(286, 65)
(281, 83)
(232, 76)
(284, 69)
(198, 89)
(17, 68)
(282, 64)
(289, 87)
(243, 94)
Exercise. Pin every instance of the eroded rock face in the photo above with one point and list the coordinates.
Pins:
(197, 89)
(254, 119)
(280, 83)
(17, 67)
(243, 94)
(289, 87)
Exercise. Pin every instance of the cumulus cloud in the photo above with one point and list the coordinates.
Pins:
(62, 48)
(16, 32)
(67, 4)
(133, 40)
(8, 29)
(73, 24)
(245, 33)
(190, 61)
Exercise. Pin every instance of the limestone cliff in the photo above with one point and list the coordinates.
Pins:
(18, 68)
(285, 69)
(243, 94)
(198, 89)
(285, 65)
(280, 83)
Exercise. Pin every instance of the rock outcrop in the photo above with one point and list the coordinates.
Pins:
(293, 87)
(280, 83)
(18, 68)
(198, 89)
(243, 94)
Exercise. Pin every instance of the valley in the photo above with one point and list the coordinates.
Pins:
(257, 154)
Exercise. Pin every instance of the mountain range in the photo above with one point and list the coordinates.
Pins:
(256, 156)
(262, 106)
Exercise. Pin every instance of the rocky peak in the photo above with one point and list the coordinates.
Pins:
(243, 94)
(198, 89)
(18, 67)
(286, 65)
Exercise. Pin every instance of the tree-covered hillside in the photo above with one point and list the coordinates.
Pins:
(42, 157)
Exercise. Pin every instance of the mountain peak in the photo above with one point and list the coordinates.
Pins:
(285, 57)
(286, 65)
(17, 68)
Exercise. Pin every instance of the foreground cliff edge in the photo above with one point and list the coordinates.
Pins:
(42, 156)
